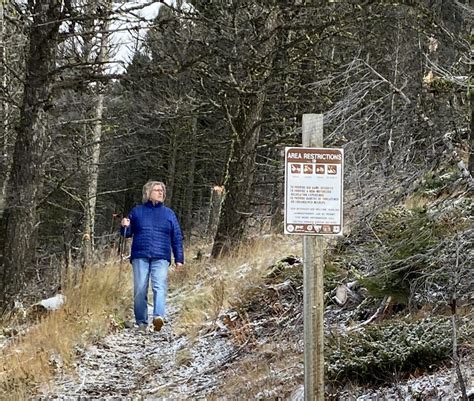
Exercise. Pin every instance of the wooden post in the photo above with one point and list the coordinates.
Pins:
(313, 297)
(217, 194)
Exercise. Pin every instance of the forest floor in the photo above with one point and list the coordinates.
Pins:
(132, 364)
(128, 364)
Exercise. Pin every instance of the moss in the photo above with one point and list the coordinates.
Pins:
(291, 268)
(333, 274)
(382, 352)
(288, 268)
(442, 85)
(434, 181)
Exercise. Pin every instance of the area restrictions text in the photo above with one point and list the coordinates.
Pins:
(313, 191)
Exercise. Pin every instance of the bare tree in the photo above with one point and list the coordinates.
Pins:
(4, 109)
(12, 42)
(94, 144)
(20, 220)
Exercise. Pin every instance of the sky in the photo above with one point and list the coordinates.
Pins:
(130, 26)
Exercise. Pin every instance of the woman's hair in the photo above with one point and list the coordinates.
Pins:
(149, 186)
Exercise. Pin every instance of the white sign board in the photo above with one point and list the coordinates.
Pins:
(313, 191)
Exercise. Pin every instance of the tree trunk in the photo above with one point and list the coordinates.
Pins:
(92, 167)
(92, 177)
(19, 222)
(188, 195)
(470, 161)
(277, 207)
(239, 177)
(3, 134)
(4, 116)
(214, 210)
(172, 156)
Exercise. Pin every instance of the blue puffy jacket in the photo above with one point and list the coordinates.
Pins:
(155, 231)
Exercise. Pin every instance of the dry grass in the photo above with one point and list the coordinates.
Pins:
(416, 202)
(206, 287)
(96, 303)
(268, 372)
(93, 307)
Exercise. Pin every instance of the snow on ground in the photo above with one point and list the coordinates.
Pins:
(441, 385)
(130, 364)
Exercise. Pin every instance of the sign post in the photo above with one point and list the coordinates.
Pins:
(313, 208)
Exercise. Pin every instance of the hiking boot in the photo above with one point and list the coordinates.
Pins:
(142, 327)
(157, 323)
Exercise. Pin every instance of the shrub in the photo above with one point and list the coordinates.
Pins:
(381, 352)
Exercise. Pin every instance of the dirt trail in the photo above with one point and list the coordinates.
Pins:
(130, 364)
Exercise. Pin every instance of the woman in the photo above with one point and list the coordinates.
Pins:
(156, 232)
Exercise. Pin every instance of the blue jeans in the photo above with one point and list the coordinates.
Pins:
(145, 269)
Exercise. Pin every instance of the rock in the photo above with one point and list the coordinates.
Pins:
(341, 295)
(40, 309)
(298, 394)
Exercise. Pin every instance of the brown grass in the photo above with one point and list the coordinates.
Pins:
(204, 288)
(268, 372)
(93, 306)
(96, 303)
(416, 201)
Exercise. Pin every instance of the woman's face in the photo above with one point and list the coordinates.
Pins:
(156, 194)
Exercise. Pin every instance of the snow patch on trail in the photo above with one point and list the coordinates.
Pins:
(130, 364)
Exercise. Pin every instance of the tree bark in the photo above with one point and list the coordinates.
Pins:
(4, 116)
(214, 210)
(470, 161)
(4, 108)
(172, 157)
(277, 207)
(19, 222)
(240, 176)
(92, 167)
(188, 195)
(92, 178)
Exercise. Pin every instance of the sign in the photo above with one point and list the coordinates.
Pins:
(313, 191)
